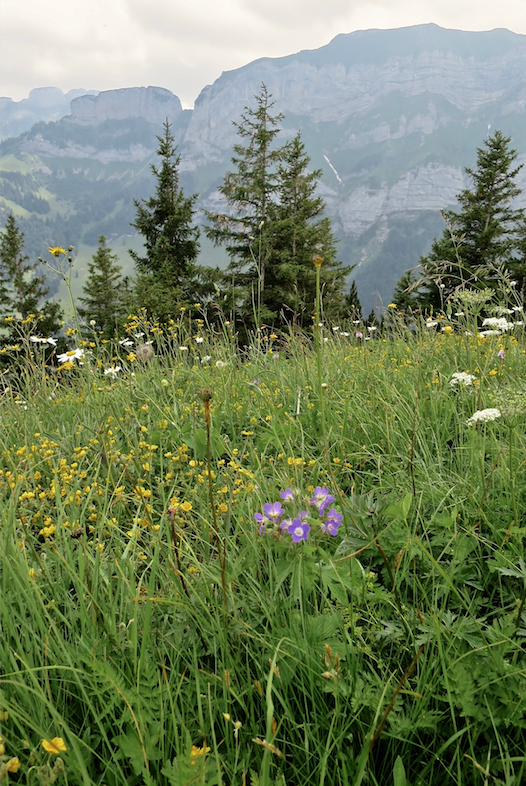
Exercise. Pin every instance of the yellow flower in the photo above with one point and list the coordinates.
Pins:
(186, 506)
(55, 746)
(447, 329)
(318, 261)
(56, 251)
(391, 305)
(13, 765)
(196, 752)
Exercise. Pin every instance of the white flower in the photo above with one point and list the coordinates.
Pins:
(484, 416)
(126, 342)
(138, 335)
(199, 339)
(38, 340)
(461, 378)
(220, 364)
(345, 334)
(485, 333)
(113, 370)
(498, 323)
(183, 349)
(371, 329)
(431, 324)
(206, 359)
(73, 354)
(335, 329)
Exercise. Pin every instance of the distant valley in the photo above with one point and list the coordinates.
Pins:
(391, 117)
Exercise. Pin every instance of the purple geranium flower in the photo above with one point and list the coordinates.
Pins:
(322, 499)
(273, 510)
(287, 495)
(299, 530)
(332, 522)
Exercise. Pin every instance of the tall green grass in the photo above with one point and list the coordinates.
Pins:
(164, 646)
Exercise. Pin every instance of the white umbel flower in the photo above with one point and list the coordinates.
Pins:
(461, 378)
(484, 416)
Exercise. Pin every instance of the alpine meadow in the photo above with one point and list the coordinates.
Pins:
(249, 535)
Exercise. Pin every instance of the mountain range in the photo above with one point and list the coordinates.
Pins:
(391, 117)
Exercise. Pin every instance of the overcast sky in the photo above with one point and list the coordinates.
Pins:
(184, 45)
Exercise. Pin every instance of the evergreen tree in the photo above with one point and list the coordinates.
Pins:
(298, 232)
(352, 301)
(103, 294)
(483, 236)
(167, 275)
(249, 192)
(21, 290)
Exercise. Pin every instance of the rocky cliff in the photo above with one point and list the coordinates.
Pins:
(392, 117)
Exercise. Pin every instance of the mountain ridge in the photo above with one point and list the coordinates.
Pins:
(391, 117)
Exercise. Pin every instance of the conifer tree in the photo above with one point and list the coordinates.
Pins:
(249, 192)
(103, 294)
(483, 236)
(167, 274)
(21, 290)
(299, 232)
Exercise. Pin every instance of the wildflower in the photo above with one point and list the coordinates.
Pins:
(113, 370)
(318, 261)
(54, 746)
(38, 340)
(199, 339)
(447, 329)
(273, 511)
(68, 357)
(391, 305)
(56, 251)
(332, 522)
(359, 335)
(220, 364)
(484, 416)
(485, 333)
(197, 752)
(498, 323)
(183, 349)
(13, 765)
(336, 329)
(461, 378)
(275, 356)
(299, 530)
(206, 359)
(500, 354)
(431, 323)
(287, 495)
(126, 342)
(321, 499)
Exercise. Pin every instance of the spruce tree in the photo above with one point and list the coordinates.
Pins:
(249, 192)
(484, 235)
(168, 277)
(299, 232)
(103, 296)
(22, 292)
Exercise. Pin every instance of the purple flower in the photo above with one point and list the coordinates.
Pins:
(299, 530)
(260, 519)
(273, 511)
(500, 354)
(322, 499)
(285, 523)
(287, 495)
(332, 522)
(359, 335)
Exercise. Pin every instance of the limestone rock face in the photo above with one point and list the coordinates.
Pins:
(154, 104)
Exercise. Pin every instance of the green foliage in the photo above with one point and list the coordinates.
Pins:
(103, 292)
(275, 226)
(21, 291)
(167, 276)
(483, 241)
(298, 233)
